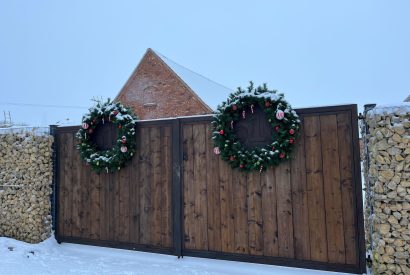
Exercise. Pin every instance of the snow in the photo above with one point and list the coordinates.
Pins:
(209, 91)
(38, 131)
(49, 257)
(397, 109)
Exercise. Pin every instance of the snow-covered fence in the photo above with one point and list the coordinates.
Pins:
(386, 134)
(25, 184)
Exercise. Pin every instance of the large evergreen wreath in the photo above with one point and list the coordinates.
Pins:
(112, 159)
(280, 116)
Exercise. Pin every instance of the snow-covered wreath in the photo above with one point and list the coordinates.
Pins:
(112, 159)
(284, 121)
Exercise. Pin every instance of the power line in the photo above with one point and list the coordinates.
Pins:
(43, 105)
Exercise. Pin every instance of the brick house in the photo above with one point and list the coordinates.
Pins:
(160, 88)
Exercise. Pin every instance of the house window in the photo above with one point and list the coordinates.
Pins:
(148, 97)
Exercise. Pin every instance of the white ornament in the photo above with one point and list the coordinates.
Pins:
(252, 108)
(280, 115)
(85, 126)
(243, 114)
(217, 151)
(124, 149)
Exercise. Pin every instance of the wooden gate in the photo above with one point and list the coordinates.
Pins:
(178, 197)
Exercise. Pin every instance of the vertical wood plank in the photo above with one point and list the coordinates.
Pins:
(166, 199)
(300, 201)
(145, 186)
(214, 205)
(285, 211)
(227, 214)
(239, 185)
(84, 213)
(134, 191)
(124, 201)
(105, 213)
(95, 207)
(76, 190)
(255, 234)
(157, 182)
(346, 178)
(314, 181)
(70, 177)
(112, 208)
(331, 182)
(116, 206)
(200, 171)
(65, 191)
(269, 216)
(188, 198)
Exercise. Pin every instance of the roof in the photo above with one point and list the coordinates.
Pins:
(211, 92)
(407, 99)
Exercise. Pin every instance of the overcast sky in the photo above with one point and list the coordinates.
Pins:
(316, 52)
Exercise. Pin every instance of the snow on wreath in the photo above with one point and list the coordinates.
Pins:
(280, 116)
(112, 159)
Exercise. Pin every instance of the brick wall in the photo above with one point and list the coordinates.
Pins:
(155, 91)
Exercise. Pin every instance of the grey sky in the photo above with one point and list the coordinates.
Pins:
(316, 52)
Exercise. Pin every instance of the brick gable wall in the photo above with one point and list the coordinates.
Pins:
(155, 91)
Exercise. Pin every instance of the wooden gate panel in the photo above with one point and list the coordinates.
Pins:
(302, 212)
(130, 208)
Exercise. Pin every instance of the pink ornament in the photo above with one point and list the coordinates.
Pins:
(280, 115)
(85, 126)
(291, 131)
(124, 149)
(217, 151)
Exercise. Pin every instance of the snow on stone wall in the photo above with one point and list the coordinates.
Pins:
(25, 185)
(387, 176)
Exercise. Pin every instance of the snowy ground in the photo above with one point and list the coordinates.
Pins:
(49, 257)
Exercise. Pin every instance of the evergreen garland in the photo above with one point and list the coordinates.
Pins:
(113, 159)
(280, 115)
